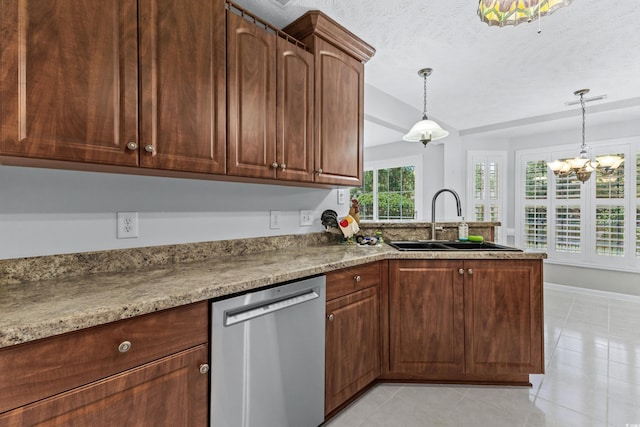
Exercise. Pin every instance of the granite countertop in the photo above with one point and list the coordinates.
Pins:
(38, 309)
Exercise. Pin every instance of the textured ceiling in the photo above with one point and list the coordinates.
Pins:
(488, 78)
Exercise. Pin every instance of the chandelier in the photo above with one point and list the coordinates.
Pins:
(425, 130)
(582, 166)
(514, 12)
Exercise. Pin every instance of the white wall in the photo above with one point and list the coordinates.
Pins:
(44, 212)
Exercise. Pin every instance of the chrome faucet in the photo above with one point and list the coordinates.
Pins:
(433, 209)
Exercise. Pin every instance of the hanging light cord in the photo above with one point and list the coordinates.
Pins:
(424, 110)
(584, 145)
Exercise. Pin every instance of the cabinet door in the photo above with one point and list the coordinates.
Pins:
(426, 323)
(503, 316)
(183, 87)
(170, 391)
(339, 116)
(352, 354)
(251, 74)
(69, 80)
(295, 112)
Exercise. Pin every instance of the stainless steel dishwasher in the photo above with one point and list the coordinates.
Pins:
(268, 357)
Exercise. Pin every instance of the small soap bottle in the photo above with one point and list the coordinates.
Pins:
(463, 230)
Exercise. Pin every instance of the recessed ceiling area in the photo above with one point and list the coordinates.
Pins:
(488, 79)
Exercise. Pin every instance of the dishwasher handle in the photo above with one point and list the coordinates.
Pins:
(231, 318)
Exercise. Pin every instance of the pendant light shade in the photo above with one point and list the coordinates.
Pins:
(425, 130)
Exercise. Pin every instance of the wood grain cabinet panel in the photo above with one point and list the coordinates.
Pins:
(503, 316)
(61, 364)
(339, 96)
(294, 106)
(168, 392)
(465, 320)
(69, 80)
(76, 82)
(426, 321)
(339, 116)
(352, 346)
(353, 332)
(251, 78)
(183, 85)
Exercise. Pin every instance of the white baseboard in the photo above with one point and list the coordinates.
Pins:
(593, 292)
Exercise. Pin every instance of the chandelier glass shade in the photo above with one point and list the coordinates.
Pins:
(514, 12)
(582, 165)
(425, 130)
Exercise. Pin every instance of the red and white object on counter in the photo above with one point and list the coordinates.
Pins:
(348, 226)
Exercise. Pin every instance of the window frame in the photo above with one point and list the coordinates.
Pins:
(588, 257)
(416, 162)
(500, 157)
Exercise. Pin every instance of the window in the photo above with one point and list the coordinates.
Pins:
(389, 192)
(596, 223)
(486, 187)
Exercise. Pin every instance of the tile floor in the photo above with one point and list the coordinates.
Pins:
(592, 352)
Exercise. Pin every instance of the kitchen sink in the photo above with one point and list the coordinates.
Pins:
(445, 245)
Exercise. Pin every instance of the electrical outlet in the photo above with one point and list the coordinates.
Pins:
(341, 196)
(127, 225)
(306, 218)
(274, 220)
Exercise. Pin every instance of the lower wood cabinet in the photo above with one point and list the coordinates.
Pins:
(465, 321)
(148, 370)
(170, 391)
(352, 353)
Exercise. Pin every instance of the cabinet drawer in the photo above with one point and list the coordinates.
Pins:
(36, 370)
(347, 280)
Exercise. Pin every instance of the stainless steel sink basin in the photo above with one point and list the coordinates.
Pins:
(418, 245)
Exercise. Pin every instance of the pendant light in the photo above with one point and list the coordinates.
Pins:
(582, 166)
(425, 130)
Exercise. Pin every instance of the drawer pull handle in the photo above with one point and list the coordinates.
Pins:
(124, 346)
(149, 148)
(330, 317)
(204, 368)
(132, 145)
(283, 166)
(319, 171)
(470, 271)
(461, 271)
(357, 279)
(274, 165)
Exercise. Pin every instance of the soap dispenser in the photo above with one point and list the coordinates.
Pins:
(463, 231)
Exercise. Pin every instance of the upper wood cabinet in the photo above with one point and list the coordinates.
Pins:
(71, 80)
(182, 85)
(270, 103)
(339, 97)
(294, 106)
(251, 79)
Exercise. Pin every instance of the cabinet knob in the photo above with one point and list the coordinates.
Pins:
(461, 271)
(330, 317)
(319, 171)
(357, 279)
(274, 165)
(204, 368)
(149, 148)
(132, 145)
(470, 271)
(124, 346)
(283, 166)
